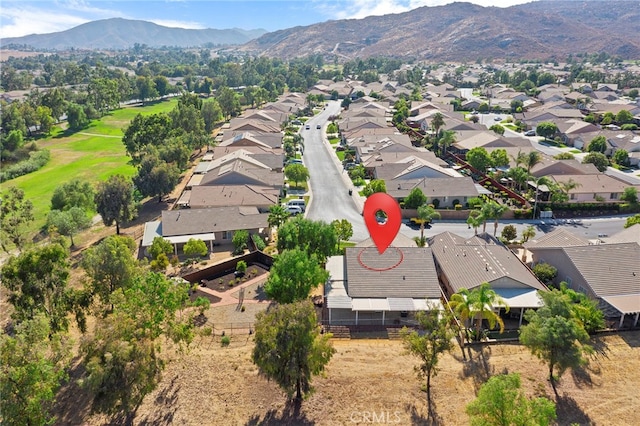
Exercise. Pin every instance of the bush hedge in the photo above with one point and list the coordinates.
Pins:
(36, 161)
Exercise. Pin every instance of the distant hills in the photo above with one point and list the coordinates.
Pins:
(118, 33)
(454, 32)
(464, 31)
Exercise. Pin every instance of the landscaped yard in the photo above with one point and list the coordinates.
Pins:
(92, 154)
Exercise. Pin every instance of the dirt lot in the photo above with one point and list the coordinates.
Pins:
(220, 386)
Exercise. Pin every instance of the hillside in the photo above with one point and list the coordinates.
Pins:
(464, 31)
(118, 33)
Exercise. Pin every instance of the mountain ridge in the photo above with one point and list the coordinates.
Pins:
(120, 33)
(453, 32)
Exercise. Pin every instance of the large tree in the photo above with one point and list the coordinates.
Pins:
(415, 199)
(433, 338)
(289, 347)
(124, 357)
(33, 363)
(314, 237)
(597, 159)
(501, 402)
(293, 275)
(597, 144)
(110, 265)
(68, 222)
(155, 177)
(296, 172)
(479, 159)
(555, 335)
(74, 193)
(37, 281)
(16, 214)
(114, 201)
(146, 130)
(344, 229)
(546, 129)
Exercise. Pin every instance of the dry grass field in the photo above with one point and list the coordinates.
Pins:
(372, 381)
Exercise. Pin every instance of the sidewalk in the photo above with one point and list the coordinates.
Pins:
(229, 297)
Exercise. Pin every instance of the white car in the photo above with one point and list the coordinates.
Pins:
(293, 210)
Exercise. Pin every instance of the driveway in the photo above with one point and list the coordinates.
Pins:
(329, 183)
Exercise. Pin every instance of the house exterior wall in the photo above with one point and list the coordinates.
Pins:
(567, 271)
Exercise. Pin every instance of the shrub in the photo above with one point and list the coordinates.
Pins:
(458, 206)
(36, 161)
(231, 283)
(195, 248)
(241, 266)
(225, 341)
(254, 271)
(239, 240)
(258, 241)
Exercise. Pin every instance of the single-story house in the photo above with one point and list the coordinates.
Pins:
(366, 287)
(467, 263)
(214, 226)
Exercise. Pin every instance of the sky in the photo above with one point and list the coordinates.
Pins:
(24, 17)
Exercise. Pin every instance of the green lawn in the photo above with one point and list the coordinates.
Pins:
(340, 155)
(334, 141)
(92, 155)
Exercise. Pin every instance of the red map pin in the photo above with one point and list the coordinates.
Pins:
(382, 234)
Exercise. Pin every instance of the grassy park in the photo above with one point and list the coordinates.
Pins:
(92, 154)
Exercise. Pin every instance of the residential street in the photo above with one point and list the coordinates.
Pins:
(329, 184)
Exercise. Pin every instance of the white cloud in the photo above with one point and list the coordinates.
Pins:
(18, 22)
(178, 24)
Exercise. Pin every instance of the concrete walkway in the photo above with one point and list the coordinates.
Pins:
(230, 297)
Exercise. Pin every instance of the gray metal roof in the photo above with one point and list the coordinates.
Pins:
(400, 272)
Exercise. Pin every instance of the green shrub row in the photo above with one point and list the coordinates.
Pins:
(259, 242)
(36, 161)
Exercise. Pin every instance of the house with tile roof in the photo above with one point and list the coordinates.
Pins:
(366, 287)
(609, 273)
(469, 262)
(214, 226)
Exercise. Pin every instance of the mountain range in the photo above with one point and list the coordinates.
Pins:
(456, 32)
(119, 33)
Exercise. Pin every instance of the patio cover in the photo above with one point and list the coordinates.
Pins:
(627, 304)
(520, 297)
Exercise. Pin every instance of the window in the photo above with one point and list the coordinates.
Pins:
(614, 196)
(573, 196)
(568, 281)
(226, 235)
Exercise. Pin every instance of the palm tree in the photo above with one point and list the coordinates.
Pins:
(277, 216)
(483, 299)
(426, 214)
(461, 305)
(532, 159)
(493, 211)
(420, 241)
(448, 138)
(475, 219)
(528, 233)
(437, 122)
(567, 186)
(298, 140)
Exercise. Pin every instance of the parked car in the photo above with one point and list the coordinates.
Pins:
(530, 133)
(307, 127)
(498, 118)
(297, 203)
(293, 210)
(318, 126)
